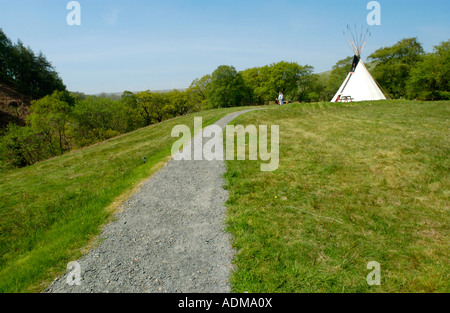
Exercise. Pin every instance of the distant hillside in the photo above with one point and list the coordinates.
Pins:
(118, 95)
(370, 66)
(324, 75)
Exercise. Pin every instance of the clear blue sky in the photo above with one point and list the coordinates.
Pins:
(163, 44)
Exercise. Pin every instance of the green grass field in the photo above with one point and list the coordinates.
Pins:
(356, 183)
(50, 211)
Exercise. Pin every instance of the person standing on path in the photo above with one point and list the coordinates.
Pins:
(280, 98)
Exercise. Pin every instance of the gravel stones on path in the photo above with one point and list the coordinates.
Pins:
(169, 236)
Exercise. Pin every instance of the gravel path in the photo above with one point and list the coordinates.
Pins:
(169, 236)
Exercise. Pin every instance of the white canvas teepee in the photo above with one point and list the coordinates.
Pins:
(359, 84)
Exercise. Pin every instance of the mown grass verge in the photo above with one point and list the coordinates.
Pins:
(51, 210)
(356, 183)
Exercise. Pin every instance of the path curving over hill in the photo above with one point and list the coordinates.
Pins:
(169, 237)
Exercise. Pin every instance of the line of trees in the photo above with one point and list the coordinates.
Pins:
(404, 71)
(64, 121)
(227, 87)
(28, 73)
(61, 121)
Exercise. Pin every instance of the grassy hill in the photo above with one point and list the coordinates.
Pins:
(357, 183)
(51, 210)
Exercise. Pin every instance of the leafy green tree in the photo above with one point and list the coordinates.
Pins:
(77, 96)
(6, 54)
(394, 65)
(178, 103)
(292, 79)
(49, 117)
(337, 76)
(134, 118)
(129, 98)
(29, 74)
(307, 85)
(96, 119)
(430, 78)
(228, 88)
(319, 85)
(21, 146)
(151, 106)
(45, 78)
(197, 93)
(256, 78)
